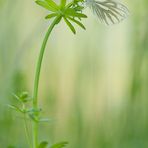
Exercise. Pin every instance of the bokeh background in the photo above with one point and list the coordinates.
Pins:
(93, 86)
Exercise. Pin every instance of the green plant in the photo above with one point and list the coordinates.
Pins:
(108, 11)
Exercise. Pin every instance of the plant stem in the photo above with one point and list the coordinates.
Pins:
(27, 131)
(36, 81)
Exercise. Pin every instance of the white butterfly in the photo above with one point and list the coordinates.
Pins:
(108, 11)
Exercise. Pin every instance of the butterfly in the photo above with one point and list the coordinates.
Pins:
(108, 11)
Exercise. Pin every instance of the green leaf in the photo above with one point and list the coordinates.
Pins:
(77, 22)
(43, 144)
(70, 26)
(59, 145)
(72, 12)
(79, 8)
(63, 3)
(59, 19)
(79, 15)
(70, 4)
(24, 97)
(45, 5)
(77, 1)
(15, 108)
(52, 4)
(49, 16)
(17, 97)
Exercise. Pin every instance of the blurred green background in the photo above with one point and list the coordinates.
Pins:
(93, 86)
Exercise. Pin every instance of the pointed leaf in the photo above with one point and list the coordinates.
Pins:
(72, 12)
(52, 4)
(69, 4)
(77, 22)
(59, 145)
(59, 19)
(49, 16)
(63, 3)
(24, 94)
(17, 97)
(43, 144)
(45, 5)
(15, 108)
(79, 8)
(70, 26)
(24, 97)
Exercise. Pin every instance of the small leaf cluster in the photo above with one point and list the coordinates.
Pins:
(24, 99)
(71, 12)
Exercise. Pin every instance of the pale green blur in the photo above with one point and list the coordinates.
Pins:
(93, 86)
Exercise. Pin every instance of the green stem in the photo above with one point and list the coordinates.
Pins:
(27, 131)
(36, 81)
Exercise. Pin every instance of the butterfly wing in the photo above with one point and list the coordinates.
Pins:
(108, 11)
